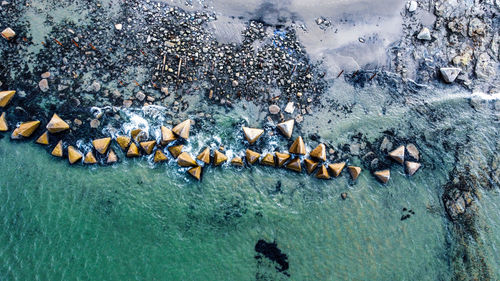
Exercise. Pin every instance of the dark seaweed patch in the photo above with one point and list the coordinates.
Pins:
(273, 253)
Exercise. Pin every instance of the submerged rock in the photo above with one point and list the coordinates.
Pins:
(204, 156)
(252, 134)
(167, 135)
(450, 73)
(354, 171)
(195, 172)
(252, 156)
(413, 151)
(424, 34)
(43, 85)
(56, 124)
(310, 165)
(343, 195)
(274, 109)
(8, 33)
(337, 168)
(298, 147)
(90, 158)
(383, 175)
(219, 157)
(185, 160)
(74, 155)
(101, 145)
(133, 151)
(182, 129)
(148, 146)
(43, 139)
(160, 156)
(237, 161)
(286, 128)
(175, 150)
(412, 167)
(123, 142)
(282, 158)
(26, 129)
(398, 154)
(3, 123)
(58, 149)
(319, 152)
(322, 173)
(268, 160)
(294, 165)
(5, 97)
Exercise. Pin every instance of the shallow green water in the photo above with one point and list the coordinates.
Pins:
(133, 222)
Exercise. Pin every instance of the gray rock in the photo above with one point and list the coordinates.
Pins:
(485, 67)
(413, 151)
(354, 148)
(45, 75)
(140, 96)
(449, 73)
(289, 107)
(118, 26)
(424, 34)
(411, 6)
(61, 87)
(274, 109)
(476, 27)
(94, 87)
(44, 85)
(386, 145)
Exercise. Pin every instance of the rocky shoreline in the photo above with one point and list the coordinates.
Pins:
(166, 61)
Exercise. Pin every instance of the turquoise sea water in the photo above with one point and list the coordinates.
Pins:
(135, 221)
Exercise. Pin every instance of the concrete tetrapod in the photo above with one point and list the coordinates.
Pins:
(74, 155)
(298, 147)
(101, 145)
(252, 156)
(3, 123)
(286, 128)
(383, 175)
(56, 124)
(398, 154)
(204, 156)
(337, 168)
(43, 139)
(219, 158)
(26, 129)
(319, 152)
(5, 97)
(182, 129)
(252, 134)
